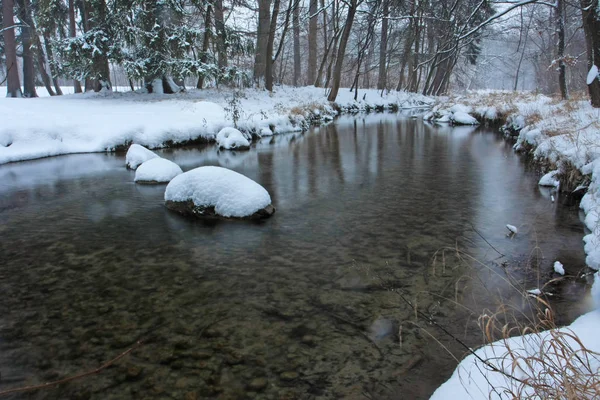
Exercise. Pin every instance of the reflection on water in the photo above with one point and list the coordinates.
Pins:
(292, 307)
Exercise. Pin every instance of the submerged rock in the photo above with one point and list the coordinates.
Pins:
(218, 192)
(137, 155)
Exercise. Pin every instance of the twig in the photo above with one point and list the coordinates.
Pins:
(485, 240)
(74, 377)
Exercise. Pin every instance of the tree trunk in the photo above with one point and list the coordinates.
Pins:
(53, 71)
(13, 85)
(337, 72)
(382, 81)
(562, 68)
(27, 42)
(221, 38)
(41, 62)
(591, 27)
(270, 43)
(262, 39)
(311, 71)
(296, 28)
(205, 43)
(76, 84)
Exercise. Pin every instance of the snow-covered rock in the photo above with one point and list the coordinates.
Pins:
(232, 139)
(549, 179)
(513, 229)
(137, 155)
(157, 170)
(216, 191)
(559, 268)
(444, 119)
(461, 108)
(462, 118)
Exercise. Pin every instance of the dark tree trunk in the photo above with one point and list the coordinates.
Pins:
(382, 81)
(10, 48)
(337, 72)
(562, 67)
(41, 62)
(205, 43)
(262, 38)
(221, 38)
(311, 71)
(27, 42)
(591, 27)
(296, 29)
(270, 44)
(76, 84)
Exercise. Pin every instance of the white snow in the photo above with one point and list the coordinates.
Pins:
(97, 122)
(550, 179)
(136, 155)
(535, 292)
(232, 194)
(157, 170)
(462, 118)
(592, 74)
(513, 229)
(472, 379)
(559, 268)
(232, 139)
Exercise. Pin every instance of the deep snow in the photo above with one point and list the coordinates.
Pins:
(157, 170)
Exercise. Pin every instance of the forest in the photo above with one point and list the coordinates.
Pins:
(427, 47)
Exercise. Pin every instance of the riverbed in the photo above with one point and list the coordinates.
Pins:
(318, 302)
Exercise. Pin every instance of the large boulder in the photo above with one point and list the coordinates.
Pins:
(157, 170)
(137, 155)
(218, 192)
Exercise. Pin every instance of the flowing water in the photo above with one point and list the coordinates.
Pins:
(299, 306)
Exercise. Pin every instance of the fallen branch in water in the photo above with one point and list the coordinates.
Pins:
(72, 378)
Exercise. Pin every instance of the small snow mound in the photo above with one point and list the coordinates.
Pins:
(559, 268)
(549, 179)
(592, 74)
(535, 292)
(461, 108)
(137, 155)
(232, 139)
(157, 170)
(230, 194)
(444, 119)
(513, 229)
(462, 118)
(266, 132)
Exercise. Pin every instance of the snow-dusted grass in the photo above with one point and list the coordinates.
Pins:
(96, 122)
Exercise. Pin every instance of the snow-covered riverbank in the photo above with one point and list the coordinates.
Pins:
(48, 126)
(562, 136)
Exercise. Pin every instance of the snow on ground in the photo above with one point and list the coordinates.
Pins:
(559, 268)
(157, 170)
(96, 122)
(137, 155)
(230, 193)
(231, 139)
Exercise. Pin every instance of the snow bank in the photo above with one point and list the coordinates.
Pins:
(549, 179)
(97, 122)
(231, 194)
(232, 139)
(157, 170)
(137, 155)
(472, 379)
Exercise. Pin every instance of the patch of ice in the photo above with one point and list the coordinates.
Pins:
(230, 193)
(136, 155)
(559, 268)
(549, 179)
(157, 170)
(232, 139)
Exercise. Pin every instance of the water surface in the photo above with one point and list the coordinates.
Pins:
(296, 307)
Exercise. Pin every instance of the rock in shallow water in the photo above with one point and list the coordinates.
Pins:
(218, 192)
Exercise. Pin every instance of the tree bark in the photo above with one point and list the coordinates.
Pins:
(270, 44)
(296, 29)
(221, 38)
(591, 27)
(205, 44)
(562, 68)
(337, 72)
(10, 48)
(311, 71)
(27, 42)
(262, 39)
(76, 84)
(382, 81)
